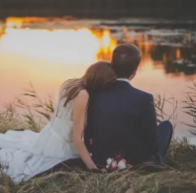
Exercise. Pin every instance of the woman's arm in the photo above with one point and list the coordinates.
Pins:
(79, 112)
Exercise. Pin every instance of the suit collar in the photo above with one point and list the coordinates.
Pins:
(123, 79)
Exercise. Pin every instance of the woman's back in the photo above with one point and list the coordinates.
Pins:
(56, 137)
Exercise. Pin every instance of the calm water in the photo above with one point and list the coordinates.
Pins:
(47, 52)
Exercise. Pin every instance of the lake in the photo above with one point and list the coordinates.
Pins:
(48, 51)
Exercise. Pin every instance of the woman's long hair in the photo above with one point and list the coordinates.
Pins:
(97, 77)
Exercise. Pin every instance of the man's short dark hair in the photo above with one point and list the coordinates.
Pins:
(125, 60)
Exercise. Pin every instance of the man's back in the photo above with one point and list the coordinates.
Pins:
(122, 120)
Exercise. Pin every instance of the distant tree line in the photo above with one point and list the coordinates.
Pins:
(100, 8)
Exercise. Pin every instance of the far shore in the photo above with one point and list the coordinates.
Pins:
(99, 13)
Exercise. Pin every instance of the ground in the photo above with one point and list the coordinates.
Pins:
(178, 175)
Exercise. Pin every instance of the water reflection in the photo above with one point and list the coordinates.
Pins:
(175, 50)
(18, 22)
(59, 46)
(87, 45)
(47, 57)
(175, 60)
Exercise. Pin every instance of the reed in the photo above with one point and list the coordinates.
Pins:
(190, 107)
(9, 119)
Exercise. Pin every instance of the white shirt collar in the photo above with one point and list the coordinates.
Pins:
(123, 79)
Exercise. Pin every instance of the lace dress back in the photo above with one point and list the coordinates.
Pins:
(63, 117)
(56, 137)
(63, 112)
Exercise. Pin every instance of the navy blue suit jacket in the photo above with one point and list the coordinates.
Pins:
(121, 119)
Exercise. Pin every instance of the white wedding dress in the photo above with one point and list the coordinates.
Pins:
(25, 154)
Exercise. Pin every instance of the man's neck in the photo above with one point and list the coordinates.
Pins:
(123, 79)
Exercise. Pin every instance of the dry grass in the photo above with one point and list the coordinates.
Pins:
(178, 176)
(33, 116)
(190, 106)
(39, 111)
(9, 119)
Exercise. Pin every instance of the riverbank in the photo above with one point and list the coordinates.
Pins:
(94, 14)
(178, 176)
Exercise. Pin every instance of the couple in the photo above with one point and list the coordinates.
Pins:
(100, 115)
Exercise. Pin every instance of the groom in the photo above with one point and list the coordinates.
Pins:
(122, 119)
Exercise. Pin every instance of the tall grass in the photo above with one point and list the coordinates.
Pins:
(39, 111)
(190, 106)
(9, 119)
(160, 105)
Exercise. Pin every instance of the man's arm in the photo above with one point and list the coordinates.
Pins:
(149, 125)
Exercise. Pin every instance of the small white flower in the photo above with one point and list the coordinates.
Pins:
(109, 161)
(121, 165)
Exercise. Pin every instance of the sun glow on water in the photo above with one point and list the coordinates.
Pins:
(47, 57)
(17, 22)
(71, 46)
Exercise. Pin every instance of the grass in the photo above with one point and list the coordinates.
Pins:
(9, 119)
(190, 106)
(178, 175)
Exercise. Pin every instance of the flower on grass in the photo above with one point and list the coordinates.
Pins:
(122, 164)
(113, 164)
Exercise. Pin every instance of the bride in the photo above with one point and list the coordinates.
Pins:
(25, 154)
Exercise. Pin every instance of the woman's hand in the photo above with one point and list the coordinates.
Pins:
(104, 170)
(79, 116)
(99, 170)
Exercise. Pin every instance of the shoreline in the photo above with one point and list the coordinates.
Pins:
(98, 13)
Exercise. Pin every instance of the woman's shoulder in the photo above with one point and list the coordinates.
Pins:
(81, 100)
(83, 94)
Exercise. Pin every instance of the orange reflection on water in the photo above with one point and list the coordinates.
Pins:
(59, 46)
(178, 54)
(107, 46)
(47, 58)
(62, 46)
(17, 22)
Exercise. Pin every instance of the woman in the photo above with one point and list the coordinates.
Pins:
(25, 154)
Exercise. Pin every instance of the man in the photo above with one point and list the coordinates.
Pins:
(122, 119)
